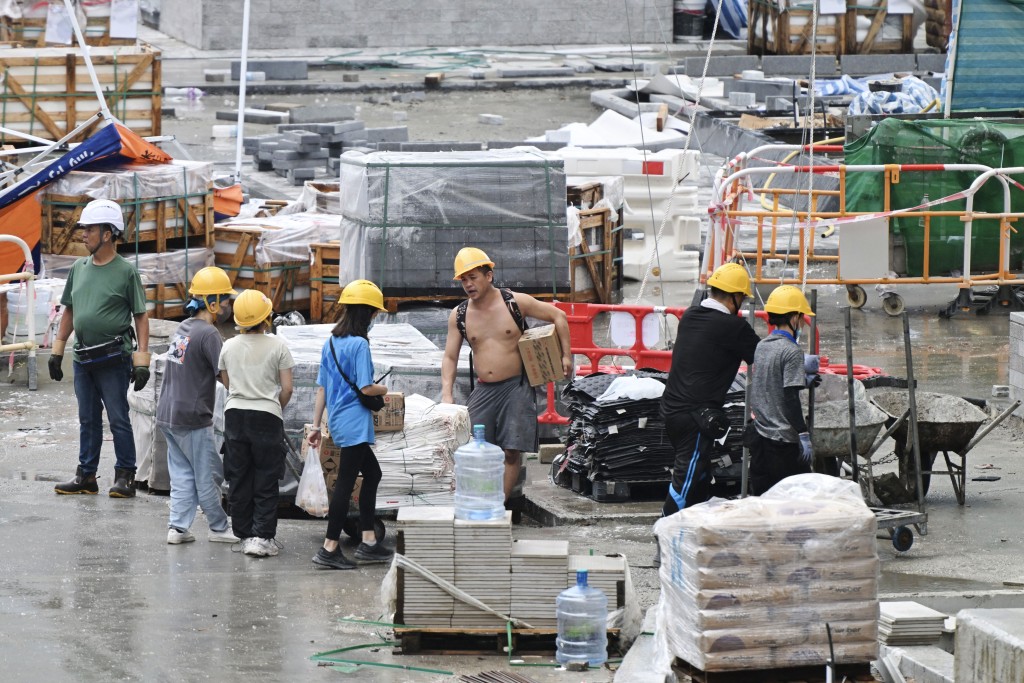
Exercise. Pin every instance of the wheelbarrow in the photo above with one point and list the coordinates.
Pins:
(945, 424)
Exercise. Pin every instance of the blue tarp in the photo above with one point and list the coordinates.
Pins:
(989, 51)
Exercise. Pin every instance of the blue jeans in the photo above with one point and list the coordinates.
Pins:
(99, 386)
(191, 462)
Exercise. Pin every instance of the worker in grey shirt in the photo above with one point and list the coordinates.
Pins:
(777, 436)
(185, 411)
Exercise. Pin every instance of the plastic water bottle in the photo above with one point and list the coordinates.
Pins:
(479, 479)
(189, 93)
(582, 624)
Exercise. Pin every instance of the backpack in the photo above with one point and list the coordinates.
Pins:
(510, 303)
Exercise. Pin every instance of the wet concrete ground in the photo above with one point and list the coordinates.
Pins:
(90, 591)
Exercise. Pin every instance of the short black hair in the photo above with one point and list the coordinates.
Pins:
(778, 319)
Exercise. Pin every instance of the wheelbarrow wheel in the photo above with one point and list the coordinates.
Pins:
(856, 296)
(351, 528)
(902, 538)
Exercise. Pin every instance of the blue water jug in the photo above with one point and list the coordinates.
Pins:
(582, 624)
(479, 479)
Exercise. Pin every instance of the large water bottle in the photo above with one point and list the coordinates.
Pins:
(582, 624)
(479, 479)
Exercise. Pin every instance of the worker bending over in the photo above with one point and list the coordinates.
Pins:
(777, 435)
(492, 320)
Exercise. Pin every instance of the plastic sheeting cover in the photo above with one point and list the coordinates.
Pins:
(750, 583)
(287, 238)
(169, 268)
(136, 181)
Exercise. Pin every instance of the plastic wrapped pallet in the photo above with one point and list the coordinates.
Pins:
(405, 215)
(750, 584)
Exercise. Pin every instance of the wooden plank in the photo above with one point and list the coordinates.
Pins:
(32, 106)
(662, 117)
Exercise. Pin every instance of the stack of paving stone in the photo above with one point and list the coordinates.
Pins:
(538, 576)
(483, 557)
(607, 572)
(909, 623)
(428, 537)
(298, 150)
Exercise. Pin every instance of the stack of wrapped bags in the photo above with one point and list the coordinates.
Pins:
(752, 583)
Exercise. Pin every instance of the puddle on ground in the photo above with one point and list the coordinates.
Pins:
(28, 475)
(895, 582)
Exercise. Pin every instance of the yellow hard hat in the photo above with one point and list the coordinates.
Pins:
(362, 292)
(211, 280)
(252, 308)
(787, 299)
(469, 258)
(731, 277)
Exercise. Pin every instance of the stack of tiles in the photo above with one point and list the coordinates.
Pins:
(909, 623)
(483, 556)
(538, 576)
(607, 572)
(428, 538)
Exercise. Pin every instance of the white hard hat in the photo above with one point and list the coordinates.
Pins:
(103, 212)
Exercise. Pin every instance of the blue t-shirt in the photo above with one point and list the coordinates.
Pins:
(350, 423)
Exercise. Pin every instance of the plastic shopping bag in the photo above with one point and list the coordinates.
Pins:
(312, 493)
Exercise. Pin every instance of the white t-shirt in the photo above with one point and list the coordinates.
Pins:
(254, 363)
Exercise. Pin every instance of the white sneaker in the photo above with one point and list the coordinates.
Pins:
(268, 546)
(174, 537)
(226, 536)
(253, 547)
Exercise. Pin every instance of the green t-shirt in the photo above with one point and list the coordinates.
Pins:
(103, 299)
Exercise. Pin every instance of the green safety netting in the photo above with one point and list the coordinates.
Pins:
(892, 141)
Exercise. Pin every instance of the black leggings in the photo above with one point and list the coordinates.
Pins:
(354, 460)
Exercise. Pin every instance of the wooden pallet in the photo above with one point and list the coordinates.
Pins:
(597, 254)
(47, 91)
(153, 225)
(324, 290)
(799, 674)
(584, 195)
(873, 43)
(286, 283)
(481, 641)
(31, 32)
(773, 31)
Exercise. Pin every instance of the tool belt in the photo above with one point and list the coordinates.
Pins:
(101, 353)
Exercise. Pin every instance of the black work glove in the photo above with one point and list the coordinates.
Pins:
(140, 376)
(56, 373)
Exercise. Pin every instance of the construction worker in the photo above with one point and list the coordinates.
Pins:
(185, 407)
(256, 369)
(492, 320)
(777, 436)
(346, 366)
(101, 298)
(711, 342)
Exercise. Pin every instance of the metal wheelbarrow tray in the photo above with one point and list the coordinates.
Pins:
(946, 424)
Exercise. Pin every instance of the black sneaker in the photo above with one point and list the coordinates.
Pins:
(335, 560)
(373, 553)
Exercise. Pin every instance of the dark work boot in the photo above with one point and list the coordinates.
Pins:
(124, 481)
(82, 483)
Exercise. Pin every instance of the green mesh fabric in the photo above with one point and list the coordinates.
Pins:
(894, 141)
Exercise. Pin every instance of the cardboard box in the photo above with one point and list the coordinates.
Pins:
(391, 418)
(542, 355)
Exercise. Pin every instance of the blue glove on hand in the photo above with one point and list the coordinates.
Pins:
(812, 364)
(806, 451)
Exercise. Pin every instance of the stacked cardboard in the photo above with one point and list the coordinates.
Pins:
(538, 576)
(750, 584)
(428, 535)
(483, 557)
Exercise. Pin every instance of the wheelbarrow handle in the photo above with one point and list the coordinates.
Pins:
(887, 433)
(989, 427)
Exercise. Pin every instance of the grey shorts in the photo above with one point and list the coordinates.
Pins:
(508, 410)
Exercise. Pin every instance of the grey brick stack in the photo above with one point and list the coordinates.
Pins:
(421, 208)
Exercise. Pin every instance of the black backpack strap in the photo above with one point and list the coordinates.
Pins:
(338, 365)
(460, 317)
(513, 309)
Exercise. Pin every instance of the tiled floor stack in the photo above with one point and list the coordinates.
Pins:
(483, 556)
(429, 538)
(538, 576)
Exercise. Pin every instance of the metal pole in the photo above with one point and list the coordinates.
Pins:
(745, 468)
(912, 400)
(242, 73)
(850, 391)
(107, 116)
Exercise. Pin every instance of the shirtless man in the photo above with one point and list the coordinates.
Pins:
(503, 400)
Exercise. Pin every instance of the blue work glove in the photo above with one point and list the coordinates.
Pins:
(806, 451)
(812, 364)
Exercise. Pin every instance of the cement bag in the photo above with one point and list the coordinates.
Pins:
(311, 495)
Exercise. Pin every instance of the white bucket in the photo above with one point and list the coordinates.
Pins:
(17, 308)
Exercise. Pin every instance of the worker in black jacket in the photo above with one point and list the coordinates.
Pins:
(711, 341)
